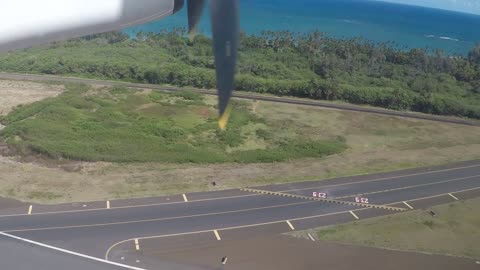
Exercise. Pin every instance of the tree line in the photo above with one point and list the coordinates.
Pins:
(311, 65)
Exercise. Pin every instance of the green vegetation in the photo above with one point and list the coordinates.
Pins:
(455, 230)
(125, 125)
(44, 196)
(375, 144)
(281, 63)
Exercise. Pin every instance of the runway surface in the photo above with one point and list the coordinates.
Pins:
(111, 229)
(245, 95)
(18, 255)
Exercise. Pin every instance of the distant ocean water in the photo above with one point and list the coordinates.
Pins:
(407, 26)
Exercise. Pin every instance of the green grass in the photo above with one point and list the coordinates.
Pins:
(124, 125)
(43, 196)
(454, 231)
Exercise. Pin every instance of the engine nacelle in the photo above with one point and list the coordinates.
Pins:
(25, 23)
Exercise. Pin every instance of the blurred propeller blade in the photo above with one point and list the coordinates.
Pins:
(195, 10)
(226, 32)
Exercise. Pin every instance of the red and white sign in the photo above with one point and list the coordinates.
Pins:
(320, 195)
(361, 200)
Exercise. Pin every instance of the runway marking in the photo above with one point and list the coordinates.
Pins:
(379, 179)
(353, 214)
(438, 195)
(274, 222)
(108, 204)
(30, 208)
(311, 237)
(266, 192)
(185, 198)
(246, 195)
(131, 206)
(219, 213)
(451, 195)
(290, 225)
(159, 219)
(408, 205)
(409, 187)
(70, 252)
(137, 245)
(217, 235)
(226, 228)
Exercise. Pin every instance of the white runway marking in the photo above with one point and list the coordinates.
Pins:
(30, 208)
(230, 197)
(185, 197)
(353, 214)
(311, 237)
(290, 225)
(408, 205)
(137, 245)
(451, 195)
(108, 204)
(217, 235)
(70, 252)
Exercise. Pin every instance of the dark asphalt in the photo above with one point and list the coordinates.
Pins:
(277, 255)
(18, 255)
(237, 214)
(245, 95)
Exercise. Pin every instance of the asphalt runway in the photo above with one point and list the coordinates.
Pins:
(18, 255)
(277, 255)
(110, 229)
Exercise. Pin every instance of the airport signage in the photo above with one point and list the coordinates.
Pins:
(321, 195)
(361, 200)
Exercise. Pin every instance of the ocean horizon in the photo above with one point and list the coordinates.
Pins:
(404, 25)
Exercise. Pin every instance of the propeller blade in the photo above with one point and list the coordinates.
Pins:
(195, 10)
(226, 32)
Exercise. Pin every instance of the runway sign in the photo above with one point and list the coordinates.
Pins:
(320, 195)
(361, 200)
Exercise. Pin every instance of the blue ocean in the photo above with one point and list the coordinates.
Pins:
(406, 26)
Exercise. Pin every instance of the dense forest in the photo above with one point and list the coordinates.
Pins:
(310, 65)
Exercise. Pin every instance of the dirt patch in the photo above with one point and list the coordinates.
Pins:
(5, 150)
(204, 112)
(14, 93)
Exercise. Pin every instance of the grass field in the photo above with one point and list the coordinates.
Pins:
(454, 231)
(374, 143)
(123, 125)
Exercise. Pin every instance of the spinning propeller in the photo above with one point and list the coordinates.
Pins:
(25, 23)
(225, 29)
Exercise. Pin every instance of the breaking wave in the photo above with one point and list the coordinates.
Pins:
(442, 37)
